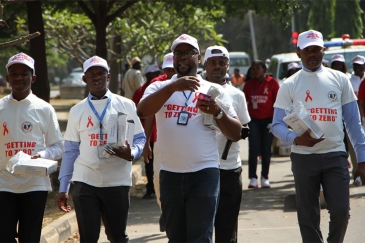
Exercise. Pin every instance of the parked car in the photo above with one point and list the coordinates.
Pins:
(348, 53)
(240, 60)
(74, 78)
(278, 67)
(345, 46)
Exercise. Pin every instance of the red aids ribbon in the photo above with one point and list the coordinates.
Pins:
(89, 122)
(196, 94)
(6, 131)
(308, 96)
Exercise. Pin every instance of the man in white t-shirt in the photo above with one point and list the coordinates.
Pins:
(358, 64)
(101, 182)
(328, 97)
(216, 64)
(29, 125)
(186, 148)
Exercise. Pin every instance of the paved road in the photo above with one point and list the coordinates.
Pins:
(266, 216)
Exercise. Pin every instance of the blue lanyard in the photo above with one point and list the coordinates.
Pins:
(187, 98)
(100, 118)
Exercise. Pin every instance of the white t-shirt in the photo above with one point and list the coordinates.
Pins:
(83, 126)
(323, 94)
(240, 106)
(355, 82)
(28, 125)
(185, 148)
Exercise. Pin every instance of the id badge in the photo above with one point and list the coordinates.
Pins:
(183, 118)
(101, 153)
(254, 105)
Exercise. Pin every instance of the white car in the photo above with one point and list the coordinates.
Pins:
(278, 67)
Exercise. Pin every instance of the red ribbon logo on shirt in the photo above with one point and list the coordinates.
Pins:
(196, 97)
(308, 96)
(6, 131)
(89, 122)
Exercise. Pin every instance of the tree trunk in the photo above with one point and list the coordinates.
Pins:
(115, 66)
(38, 50)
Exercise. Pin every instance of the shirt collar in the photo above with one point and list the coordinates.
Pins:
(28, 98)
(310, 71)
(106, 96)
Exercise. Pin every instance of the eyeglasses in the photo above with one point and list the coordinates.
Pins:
(97, 74)
(187, 54)
(214, 63)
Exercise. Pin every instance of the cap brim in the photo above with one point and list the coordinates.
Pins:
(18, 62)
(309, 44)
(168, 66)
(183, 42)
(97, 65)
(358, 62)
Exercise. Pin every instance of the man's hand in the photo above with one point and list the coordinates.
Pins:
(186, 83)
(209, 107)
(306, 140)
(147, 152)
(360, 172)
(124, 152)
(62, 202)
(36, 156)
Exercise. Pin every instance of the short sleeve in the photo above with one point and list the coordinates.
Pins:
(72, 133)
(283, 98)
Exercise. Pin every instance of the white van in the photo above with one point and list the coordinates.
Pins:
(278, 67)
(240, 60)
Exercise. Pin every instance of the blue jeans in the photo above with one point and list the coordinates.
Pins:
(259, 143)
(189, 203)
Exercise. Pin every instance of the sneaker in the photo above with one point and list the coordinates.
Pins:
(253, 183)
(149, 195)
(265, 183)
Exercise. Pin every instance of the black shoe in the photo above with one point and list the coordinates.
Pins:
(162, 224)
(148, 195)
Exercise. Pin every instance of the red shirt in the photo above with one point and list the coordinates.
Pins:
(261, 97)
(361, 94)
(137, 96)
(162, 77)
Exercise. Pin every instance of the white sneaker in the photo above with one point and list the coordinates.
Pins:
(265, 183)
(253, 183)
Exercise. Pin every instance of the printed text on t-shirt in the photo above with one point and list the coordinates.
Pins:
(323, 114)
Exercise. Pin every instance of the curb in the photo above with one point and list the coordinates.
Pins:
(65, 226)
(60, 229)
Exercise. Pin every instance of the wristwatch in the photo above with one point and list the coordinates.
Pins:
(132, 158)
(219, 116)
(294, 143)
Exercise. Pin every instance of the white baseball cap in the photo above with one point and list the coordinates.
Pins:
(337, 58)
(216, 51)
(168, 61)
(95, 61)
(310, 38)
(358, 60)
(187, 39)
(21, 58)
(293, 65)
(151, 69)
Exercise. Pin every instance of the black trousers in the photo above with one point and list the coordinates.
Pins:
(149, 173)
(226, 218)
(25, 210)
(329, 170)
(109, 203)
